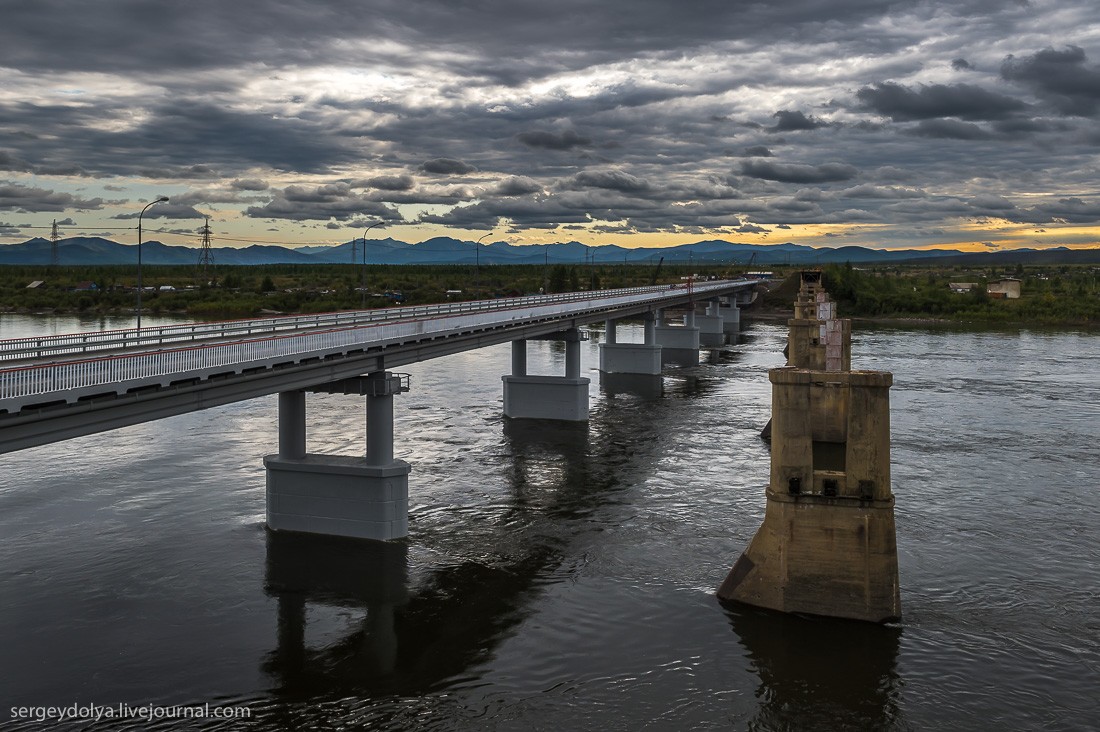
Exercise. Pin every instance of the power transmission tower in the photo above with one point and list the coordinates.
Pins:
(206, 257)
(55, 259)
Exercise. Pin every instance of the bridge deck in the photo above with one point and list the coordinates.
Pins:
(59, 386)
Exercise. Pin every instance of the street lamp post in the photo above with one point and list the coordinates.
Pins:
(477, 259)
(364, 279)
(159, 199)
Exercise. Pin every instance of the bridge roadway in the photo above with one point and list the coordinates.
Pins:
(59, 387)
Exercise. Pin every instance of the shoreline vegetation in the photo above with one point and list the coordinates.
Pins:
(1064, 295)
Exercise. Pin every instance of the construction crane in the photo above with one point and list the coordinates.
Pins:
(656, 272)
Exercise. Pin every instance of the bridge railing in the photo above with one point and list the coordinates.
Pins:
(119, 372)
(83, 343)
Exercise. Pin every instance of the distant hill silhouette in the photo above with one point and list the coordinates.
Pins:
(79, 250)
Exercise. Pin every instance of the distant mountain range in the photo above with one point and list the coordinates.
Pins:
(81, 250)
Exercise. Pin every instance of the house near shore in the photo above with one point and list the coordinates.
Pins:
(1008, 288)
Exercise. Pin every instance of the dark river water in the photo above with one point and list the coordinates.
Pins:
(563, 579)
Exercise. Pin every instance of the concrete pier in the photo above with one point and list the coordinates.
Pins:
(711, 326)
(816, 338)
(630, 358)
(827, 545)
(360, 497)
(731, 318)
(547, 397)
(679, 343)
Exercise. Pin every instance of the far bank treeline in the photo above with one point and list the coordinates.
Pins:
(243, 291)
(1050, 294)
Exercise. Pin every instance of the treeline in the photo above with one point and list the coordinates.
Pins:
(243, 291)
(1063, 294)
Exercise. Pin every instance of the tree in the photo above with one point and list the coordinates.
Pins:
(559, 279)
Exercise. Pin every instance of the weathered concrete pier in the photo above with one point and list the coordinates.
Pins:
(827, 545)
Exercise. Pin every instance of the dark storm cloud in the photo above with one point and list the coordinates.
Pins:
(1071, 209)
(208, 196)
(566, 140)
(756, 151)
(337, 201)
(793, 121)
(385, 100)
(965, 101)
(951, 129)
(390, 182)
(249, 184)
(1062, 78)
(530, 38)
(170, 210)
(186, 141)
(23, 199)
(516, 186)
(868, 191)
(615, 180)
(9, 161)
(798, 172)
(447, 166)
(428, 194)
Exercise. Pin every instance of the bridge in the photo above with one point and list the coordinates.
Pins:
(827, 545)
(54, 388)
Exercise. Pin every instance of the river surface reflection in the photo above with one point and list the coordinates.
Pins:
(563, 578)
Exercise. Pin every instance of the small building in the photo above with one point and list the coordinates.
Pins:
(960, 288)
(36, 284)
(87, 286)
(1009, 288)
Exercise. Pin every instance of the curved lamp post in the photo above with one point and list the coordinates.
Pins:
(158, 199)
(364, 280)
(477, 259)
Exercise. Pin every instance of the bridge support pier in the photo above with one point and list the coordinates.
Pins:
(711, 326)
(827, 545)
(547, 397)
(731, 317)
(679, 344)
(630, 358)
(340, 495)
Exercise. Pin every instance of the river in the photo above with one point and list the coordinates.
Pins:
(563, 579)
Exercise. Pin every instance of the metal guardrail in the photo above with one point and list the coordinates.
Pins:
(118, 372)
(82, 343)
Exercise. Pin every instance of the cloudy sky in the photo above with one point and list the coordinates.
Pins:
(970, 124)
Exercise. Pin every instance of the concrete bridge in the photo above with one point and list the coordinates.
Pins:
(59, 387)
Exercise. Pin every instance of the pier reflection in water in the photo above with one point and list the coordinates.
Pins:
(846, 671)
